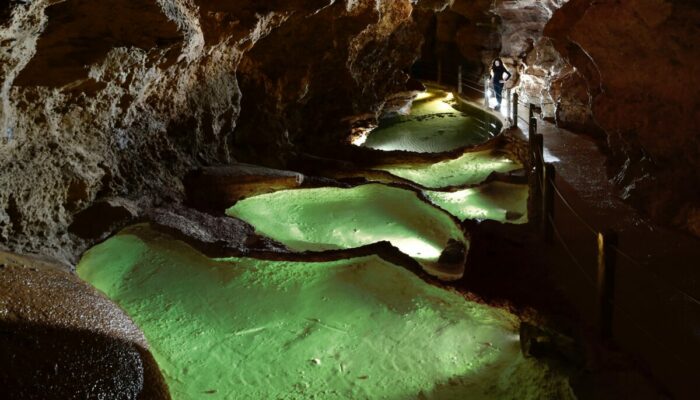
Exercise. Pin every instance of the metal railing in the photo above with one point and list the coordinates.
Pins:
(609, 261)
(608, 258)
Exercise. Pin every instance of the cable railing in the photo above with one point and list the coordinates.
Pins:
(608, 253)
(616, 315)
(610, 259)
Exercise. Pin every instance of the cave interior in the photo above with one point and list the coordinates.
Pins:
(356, 199)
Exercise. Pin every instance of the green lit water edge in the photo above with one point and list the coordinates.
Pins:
(360, 328)
(471, 168)
(497, 201)
(336, 218)
(434, 126)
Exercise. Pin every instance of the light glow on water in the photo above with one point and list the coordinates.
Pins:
(433, 126)
(469, 169)
(335, 218)
(360, 328)
(498, 201)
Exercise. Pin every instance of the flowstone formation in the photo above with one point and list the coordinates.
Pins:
(119, 99)
(331, 218)
(437, 123)
(340, 329)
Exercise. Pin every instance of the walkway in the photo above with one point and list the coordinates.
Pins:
(657, 312)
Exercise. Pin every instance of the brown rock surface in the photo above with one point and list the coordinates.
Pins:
(61, 339)
(626, 72)
(121, 98)
(642, 70)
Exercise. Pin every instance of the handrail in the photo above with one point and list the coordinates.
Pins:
(607, 246)
(617, 249)
(571, 208)
(631, 259)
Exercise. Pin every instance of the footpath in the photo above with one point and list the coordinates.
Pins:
(654, 272)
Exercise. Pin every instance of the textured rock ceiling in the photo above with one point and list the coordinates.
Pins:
(122, 98)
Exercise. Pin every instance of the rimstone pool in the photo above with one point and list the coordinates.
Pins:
(350, 327)
(437, 123)
(359, 328)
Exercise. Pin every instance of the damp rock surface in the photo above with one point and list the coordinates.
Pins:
(351, 328)
(61, 339)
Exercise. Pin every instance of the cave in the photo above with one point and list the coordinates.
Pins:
(357, 199)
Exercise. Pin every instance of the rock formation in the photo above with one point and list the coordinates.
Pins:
(625, 72)
(119, 99)
(640, 65)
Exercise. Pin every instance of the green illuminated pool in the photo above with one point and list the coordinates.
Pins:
(335, 218)
(351, 329)
(435, 126)
(498, 201)
(469, 169)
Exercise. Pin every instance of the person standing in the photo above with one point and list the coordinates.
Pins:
(499, 76)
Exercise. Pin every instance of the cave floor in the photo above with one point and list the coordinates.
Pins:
(350, 327)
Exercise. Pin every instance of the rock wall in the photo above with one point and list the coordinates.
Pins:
(640, 64)
(623, 71)
(120, 98)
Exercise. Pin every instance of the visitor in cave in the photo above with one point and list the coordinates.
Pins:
(499, 78)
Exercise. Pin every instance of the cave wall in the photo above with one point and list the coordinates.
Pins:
(106, 105)
(641, 65)
(622, 71)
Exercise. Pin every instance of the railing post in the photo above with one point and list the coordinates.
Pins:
(486, 92)
(538, 148)
(548, 201)
(509, 102)
(459, 79)
(532, 127)
(606, 282)
(515, 109)
(532, 138)
(532, 112)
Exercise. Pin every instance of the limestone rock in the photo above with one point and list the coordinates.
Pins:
(215, 236)
(122, 98)
(48, 318)
(643, 75)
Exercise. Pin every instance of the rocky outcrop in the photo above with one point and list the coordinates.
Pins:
(62, 339)
(625, 72)
(640, 67)
(215, 236)
(121, 98)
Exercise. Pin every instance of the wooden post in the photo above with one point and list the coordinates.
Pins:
(531, 143)
(532, 112)
(532, 127)
(548, 201)
(515, 109)
(439, 71)
(606, 282)
(459, 79)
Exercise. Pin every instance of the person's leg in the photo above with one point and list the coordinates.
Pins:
(498, 89)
